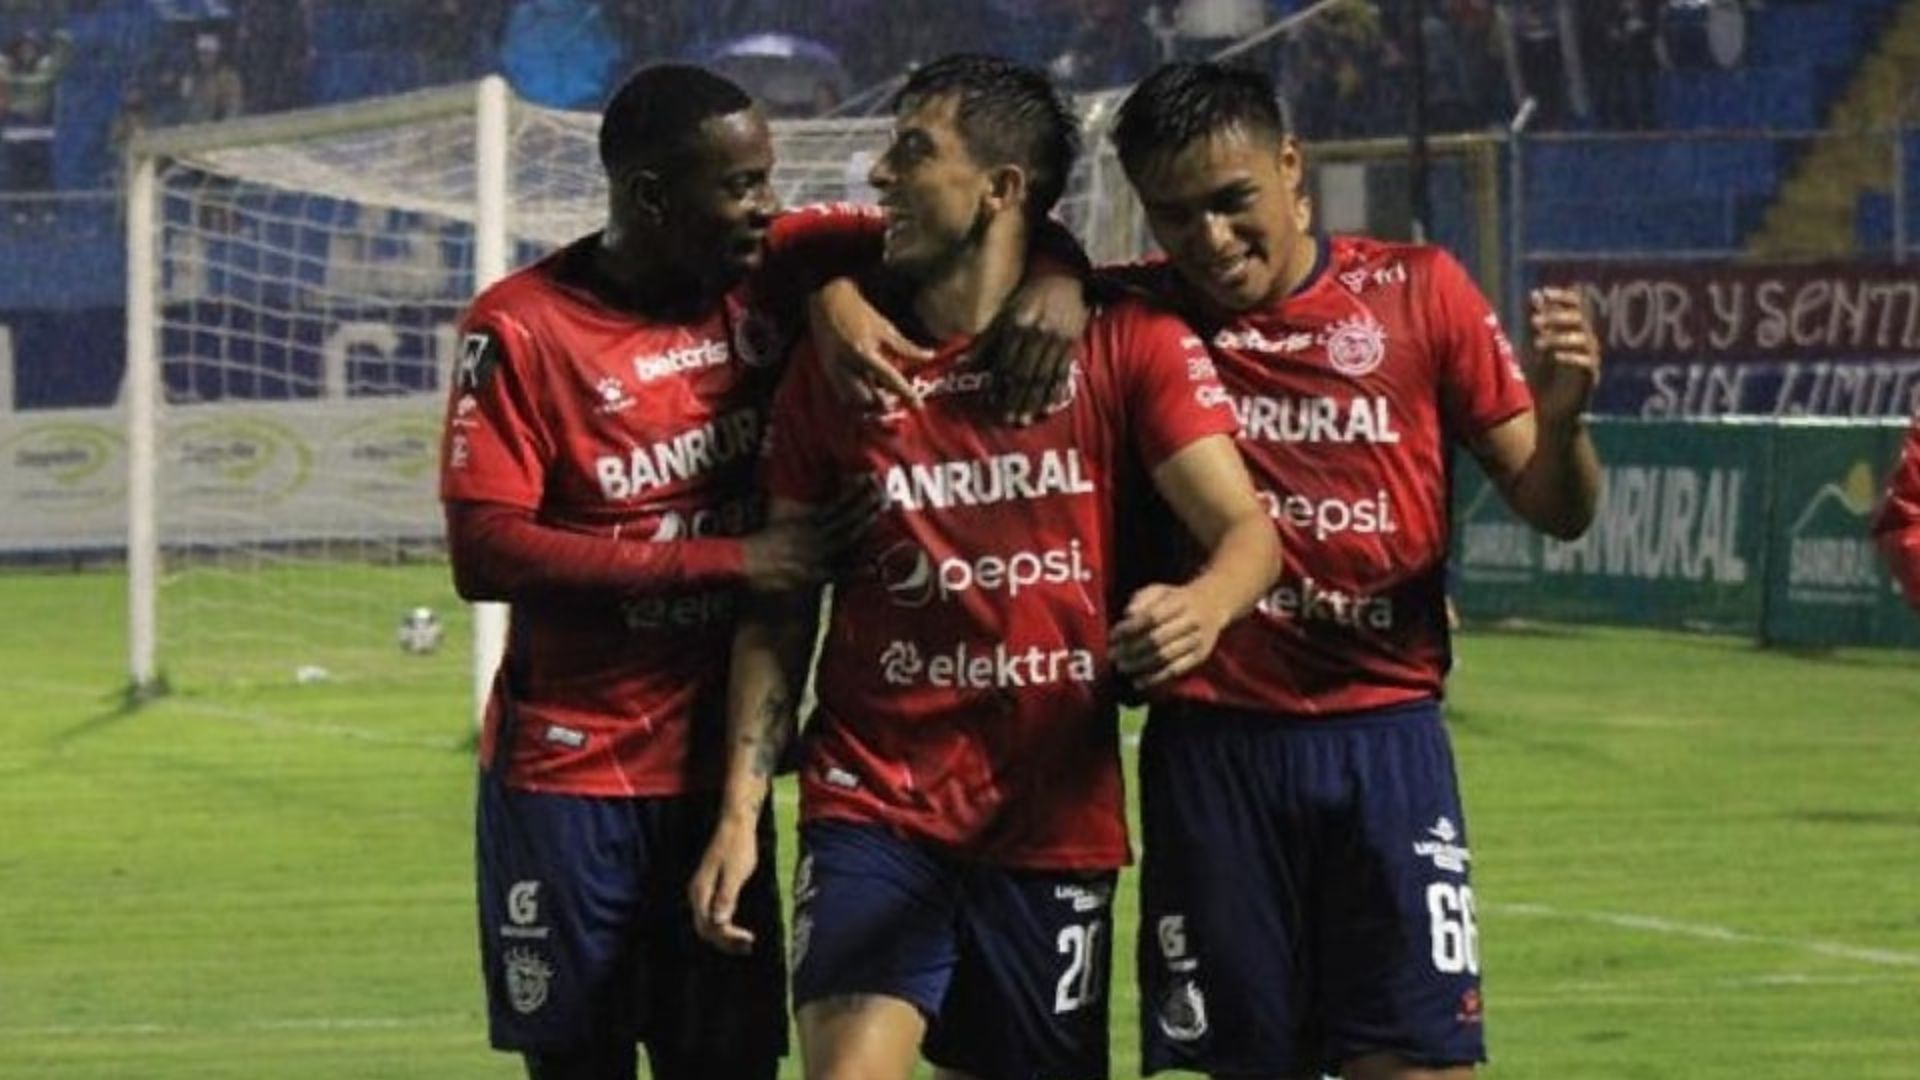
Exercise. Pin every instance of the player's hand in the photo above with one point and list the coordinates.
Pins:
(1166, 631)
(802, 551)
(1032, 343)
(714, 893)
(861, 352)
(1567, 356)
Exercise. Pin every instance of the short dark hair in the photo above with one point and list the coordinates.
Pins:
(658, 110)
(1006, 112)
(1188, 100)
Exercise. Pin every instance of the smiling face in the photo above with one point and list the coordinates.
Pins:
(716, 206)
(933, 190)
(1224, 208)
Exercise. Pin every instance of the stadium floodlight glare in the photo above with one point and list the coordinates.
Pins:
(294, 283)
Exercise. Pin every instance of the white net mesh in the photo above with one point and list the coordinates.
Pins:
(310, 286)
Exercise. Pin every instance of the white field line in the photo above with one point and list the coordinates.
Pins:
(305, 1023)
(62, 688)
(1709, 932)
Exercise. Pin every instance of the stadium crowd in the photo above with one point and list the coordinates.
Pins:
(139, 62)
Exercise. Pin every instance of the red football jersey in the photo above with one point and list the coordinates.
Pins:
(1897, 524)
(1349, 395)
(963, 683)
(603, 422)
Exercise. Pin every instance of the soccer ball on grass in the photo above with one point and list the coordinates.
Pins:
(420, 631)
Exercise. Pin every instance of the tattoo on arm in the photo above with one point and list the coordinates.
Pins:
(766, 741)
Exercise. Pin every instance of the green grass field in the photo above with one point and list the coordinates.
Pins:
(1695, 858)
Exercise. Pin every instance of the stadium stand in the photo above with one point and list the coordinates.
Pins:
(1712, 178)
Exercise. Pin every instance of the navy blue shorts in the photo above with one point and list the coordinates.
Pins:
(1304, 893)
(586, 938)
(1009, 967)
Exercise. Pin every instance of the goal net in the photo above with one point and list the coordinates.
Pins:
(296, 282)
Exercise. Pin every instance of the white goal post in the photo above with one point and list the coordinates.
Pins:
(293, 285)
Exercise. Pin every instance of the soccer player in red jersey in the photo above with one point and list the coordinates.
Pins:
(1897, 526)
(961, 798)
(1306, 904)
(600, 445)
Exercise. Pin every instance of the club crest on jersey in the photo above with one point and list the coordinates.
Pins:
(529, 978)
(1356, 346)
(756, 339)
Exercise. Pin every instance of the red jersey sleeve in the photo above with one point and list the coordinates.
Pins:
(496, 445)
(799, 464)
(1897, 526)
(1481, 384)
(1173, 395)
(811, 245)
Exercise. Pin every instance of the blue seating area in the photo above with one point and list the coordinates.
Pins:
(1873, 217)
(1707, 192)
(1647, 194)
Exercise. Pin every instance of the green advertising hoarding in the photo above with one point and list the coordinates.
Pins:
(1827, 585)
(1754, 529)
(1679, 540)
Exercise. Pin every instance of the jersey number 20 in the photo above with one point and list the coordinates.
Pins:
(1080, 984)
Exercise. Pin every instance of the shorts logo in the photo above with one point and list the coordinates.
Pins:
(523, 912)
(528, 979)
(1183, 1012)
(523, 903)
(1084, 898)
(1356, 346)
(1446, 854)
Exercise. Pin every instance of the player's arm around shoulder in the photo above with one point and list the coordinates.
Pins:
(1543, 460)
(1897, 525)
(1185, 425)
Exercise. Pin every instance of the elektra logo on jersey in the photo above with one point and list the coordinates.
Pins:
(982, 667)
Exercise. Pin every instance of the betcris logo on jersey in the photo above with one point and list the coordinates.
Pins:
(683, 456)
(912, 578)
(696, 357)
